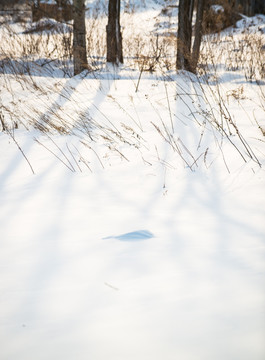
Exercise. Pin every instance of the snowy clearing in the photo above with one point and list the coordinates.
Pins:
(132, 208)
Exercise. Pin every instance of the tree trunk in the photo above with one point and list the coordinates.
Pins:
(187, 59)
(197, 34)
(248, 7)
(191, 7)
(259, 7)
(79, 41)
(252, 8)
(184, 34)
(114, 38)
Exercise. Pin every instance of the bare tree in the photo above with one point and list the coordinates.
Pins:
(259, 7)
(114, 38)
(187, 59)
(247, 7)
(184, 34)
(197, 34)
(79, 41)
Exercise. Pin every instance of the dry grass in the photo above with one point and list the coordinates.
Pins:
(31, 55)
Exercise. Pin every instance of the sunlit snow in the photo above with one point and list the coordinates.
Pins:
(141, 233)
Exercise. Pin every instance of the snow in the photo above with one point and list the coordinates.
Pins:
(141, 233)
(217, 8)
(134, 235)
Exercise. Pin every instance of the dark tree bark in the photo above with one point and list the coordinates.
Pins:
(259, 7)
(197, 34)
(251, 7)
(247, 7)
(114, 38)
(79, 41)
(187, 59)
(184, 35)
(191, 7)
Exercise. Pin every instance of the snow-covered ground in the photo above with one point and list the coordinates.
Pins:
(141, 233)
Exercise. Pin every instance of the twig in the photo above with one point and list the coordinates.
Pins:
(22, 152)
(54, 154)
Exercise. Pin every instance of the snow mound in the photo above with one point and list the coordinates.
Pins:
(134, 235)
